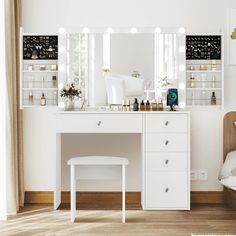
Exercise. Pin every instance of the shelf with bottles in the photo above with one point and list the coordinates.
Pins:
(33, 97)
(204, 97)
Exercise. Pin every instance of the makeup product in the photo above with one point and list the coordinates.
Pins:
(31, 98)
(42, 67)
(54, 81)
(135, 105)
(213, 99)
(53, 67)
(43, 100)
(154, 106)
(160, 104)
(192, 82)
(142, 106)
(147, 106)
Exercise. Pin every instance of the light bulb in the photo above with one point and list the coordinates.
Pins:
(109, 30)
(61, 30)
(85, 30)
(181, 49)
(61, 105)
(61, 49)
(181, 30)
(133, 30)
(182, 105)
(182, 86)
(182, 67)
(157, 30)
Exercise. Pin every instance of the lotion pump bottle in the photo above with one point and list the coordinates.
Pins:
(135, 105)
(43, 100)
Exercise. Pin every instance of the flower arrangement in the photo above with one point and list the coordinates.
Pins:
(164, 82)
(70, 90)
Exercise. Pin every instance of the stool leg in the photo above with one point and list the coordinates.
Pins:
(72, 193)
(123, 193)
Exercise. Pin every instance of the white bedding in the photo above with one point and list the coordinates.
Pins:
(227, 175)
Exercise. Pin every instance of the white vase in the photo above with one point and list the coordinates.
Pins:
(69, 104)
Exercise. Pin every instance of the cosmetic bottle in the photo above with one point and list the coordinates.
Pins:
(154, 106)
(43, 100)
(54, 81)
(160, 104)
(31, 98)
(142, 106)
(192, 83)
(213, 99)
(147, 106)
(135, 105)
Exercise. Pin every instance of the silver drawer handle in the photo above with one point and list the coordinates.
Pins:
(166, 162)
(167, 122)
(99, 123)
(166, 142)
(166, 190)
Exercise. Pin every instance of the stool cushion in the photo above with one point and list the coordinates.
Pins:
(98, 160)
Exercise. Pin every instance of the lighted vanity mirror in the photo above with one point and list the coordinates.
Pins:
(146, 56)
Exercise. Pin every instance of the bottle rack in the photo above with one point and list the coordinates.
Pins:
(204, 70)
(38, 75)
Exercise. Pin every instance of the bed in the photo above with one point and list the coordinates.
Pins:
(227, 175)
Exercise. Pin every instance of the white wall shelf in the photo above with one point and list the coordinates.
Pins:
(34, 81)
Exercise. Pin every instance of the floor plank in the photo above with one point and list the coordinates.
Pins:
(43, 220)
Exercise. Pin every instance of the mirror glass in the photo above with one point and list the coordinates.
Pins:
(155, 58)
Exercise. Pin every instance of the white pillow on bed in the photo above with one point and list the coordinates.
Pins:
(227, 176)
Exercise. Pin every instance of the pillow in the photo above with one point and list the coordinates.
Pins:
(229, 166)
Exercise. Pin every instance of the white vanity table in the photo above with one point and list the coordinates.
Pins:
(165, 151)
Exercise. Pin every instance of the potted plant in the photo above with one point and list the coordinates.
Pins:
(70, 91)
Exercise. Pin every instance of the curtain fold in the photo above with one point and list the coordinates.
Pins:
(15, 128)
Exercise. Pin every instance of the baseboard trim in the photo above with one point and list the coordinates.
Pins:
(114, 198)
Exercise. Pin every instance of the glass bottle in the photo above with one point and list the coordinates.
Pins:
(31, 98)
(213, 99)
(43, 100)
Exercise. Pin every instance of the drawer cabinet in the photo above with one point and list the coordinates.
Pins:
(167, 161)
(167, 190)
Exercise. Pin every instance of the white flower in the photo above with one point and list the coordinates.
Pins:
(67, 87)
(77, 87)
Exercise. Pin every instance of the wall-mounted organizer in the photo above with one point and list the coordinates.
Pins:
(204, 70)
(38, 69)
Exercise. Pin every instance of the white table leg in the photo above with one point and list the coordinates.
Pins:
(57, 190)
(123, 193)
(73, 193)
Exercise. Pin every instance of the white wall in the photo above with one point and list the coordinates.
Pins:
(197, 16)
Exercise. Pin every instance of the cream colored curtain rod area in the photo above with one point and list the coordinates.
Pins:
(15, 147)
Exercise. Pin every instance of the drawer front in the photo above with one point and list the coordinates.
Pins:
(166, 142)
(167, 190)
(161, 161)
(99, 123)
(173, 123)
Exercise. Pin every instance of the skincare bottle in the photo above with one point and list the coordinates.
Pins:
(135, 105)
(147, 107)
(154, 106)
(160, 104)
(31, 98)
(43, 100)
(142, 106)
(192, 83)
(213, 99)
(54, 81)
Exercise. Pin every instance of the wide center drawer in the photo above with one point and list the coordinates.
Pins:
(166, 142)
(167, 190)
(165, 161)
(99, 123)
(166, 123)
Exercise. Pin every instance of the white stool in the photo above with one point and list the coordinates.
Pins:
(95, 160)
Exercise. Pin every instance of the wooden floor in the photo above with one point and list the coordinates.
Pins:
(43, 220)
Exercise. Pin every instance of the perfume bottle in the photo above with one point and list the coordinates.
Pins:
(192, 83)
(147, 106)
(142, 106)
(135, 105)
(31, 98)
(213, 99)
(43, 100)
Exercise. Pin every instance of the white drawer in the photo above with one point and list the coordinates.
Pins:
(166, 142)
(167, 190)
(173, 123)
(99, 123)
(163, 161)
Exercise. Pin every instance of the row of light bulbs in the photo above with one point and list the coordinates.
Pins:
(133, 30)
